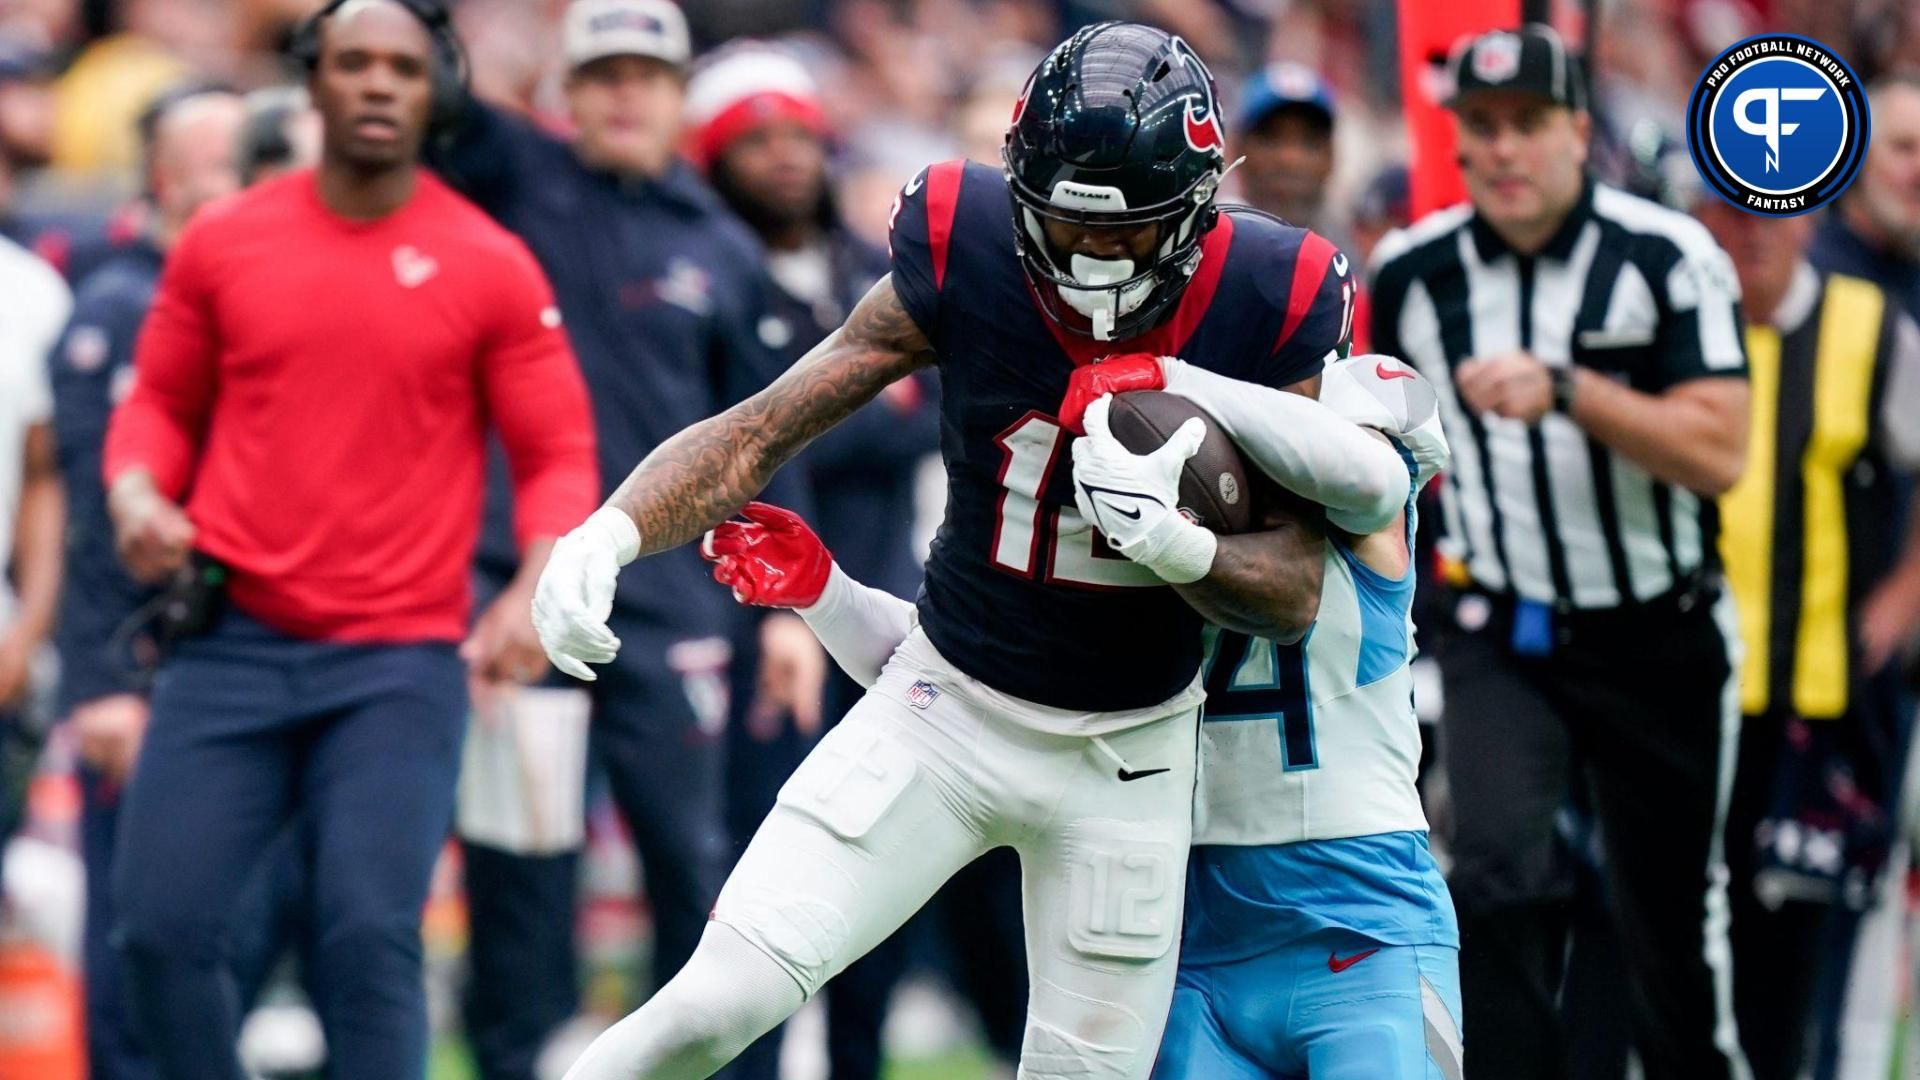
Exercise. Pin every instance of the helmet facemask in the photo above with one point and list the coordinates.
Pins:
(1114, 297)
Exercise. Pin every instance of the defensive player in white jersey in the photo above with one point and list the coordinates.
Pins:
(1319, 941)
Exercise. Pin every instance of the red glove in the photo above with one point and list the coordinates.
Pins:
(1117, 374)
(771, 559)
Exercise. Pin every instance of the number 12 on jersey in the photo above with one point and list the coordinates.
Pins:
(1257, 678)
(1052, 544)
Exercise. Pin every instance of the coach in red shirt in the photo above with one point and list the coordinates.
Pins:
(314, 380)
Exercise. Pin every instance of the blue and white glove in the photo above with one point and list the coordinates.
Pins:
(1382, 393)
(1134, 498)
(575, 594)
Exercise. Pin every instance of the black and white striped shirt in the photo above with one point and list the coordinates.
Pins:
(1625, 287)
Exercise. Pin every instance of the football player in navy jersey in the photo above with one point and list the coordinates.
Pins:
(1310, 854)
(1047, 698)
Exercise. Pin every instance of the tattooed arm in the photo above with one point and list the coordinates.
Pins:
(1265, 584)
(698, 478)
(694, 480)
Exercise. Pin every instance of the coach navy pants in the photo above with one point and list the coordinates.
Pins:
(271, 916)
(113, 1051)
(250, 730)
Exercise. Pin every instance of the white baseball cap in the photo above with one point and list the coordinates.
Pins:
(742, 86)
(600, 28)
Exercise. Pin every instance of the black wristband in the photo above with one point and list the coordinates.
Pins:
(1563, 388)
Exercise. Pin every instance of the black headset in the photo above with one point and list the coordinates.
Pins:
(264, 141)
(450, 71)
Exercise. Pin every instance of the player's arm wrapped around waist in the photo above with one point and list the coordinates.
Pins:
(772, 558)
(1306, 447)
(860, 626)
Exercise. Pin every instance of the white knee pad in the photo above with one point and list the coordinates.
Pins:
(1106, 950)
(1070, 1037)
(805, 935)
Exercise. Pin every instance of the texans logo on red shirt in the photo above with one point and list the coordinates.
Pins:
(1202, 122)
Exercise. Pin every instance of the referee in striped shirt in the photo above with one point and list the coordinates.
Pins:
(1586, 347)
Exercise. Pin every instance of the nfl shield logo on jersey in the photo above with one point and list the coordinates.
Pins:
(922, 694)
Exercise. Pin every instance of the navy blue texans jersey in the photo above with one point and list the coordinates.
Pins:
(1021, 592)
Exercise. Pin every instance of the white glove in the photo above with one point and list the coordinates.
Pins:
(575, 594)
(1383, 393)
(1134, 498)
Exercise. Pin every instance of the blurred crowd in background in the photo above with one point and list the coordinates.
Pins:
(1314, 101)
(903, 82)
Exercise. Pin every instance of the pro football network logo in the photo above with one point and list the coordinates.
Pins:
(1778, 125)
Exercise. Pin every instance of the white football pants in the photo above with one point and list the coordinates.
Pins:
(918, 780)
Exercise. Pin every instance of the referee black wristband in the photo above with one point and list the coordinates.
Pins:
(1563, 388)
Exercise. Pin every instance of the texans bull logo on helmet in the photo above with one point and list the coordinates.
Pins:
(1202, 118)
(1203, 125)
(1020, 106)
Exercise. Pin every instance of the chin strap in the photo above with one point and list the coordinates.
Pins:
(1099, 295)
(1095, 298)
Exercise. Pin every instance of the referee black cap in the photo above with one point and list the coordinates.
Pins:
(1530, 60)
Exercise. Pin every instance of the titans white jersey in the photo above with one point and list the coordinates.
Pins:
(1317, 740)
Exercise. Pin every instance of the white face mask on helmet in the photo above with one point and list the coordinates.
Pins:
(1107, 291)
(1102, 305)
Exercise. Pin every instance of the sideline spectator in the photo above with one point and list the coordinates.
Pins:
(1874, 233)
(282, 133)
(1285, 129)
(33, 306)
(331, 439)
(1812, 540)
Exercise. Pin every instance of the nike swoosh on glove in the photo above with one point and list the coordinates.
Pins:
(1382, 393)
(575, 593)
(1118, 374)
(1133, 498)
(772, 559)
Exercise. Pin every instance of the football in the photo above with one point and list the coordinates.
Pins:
(1214, 489)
